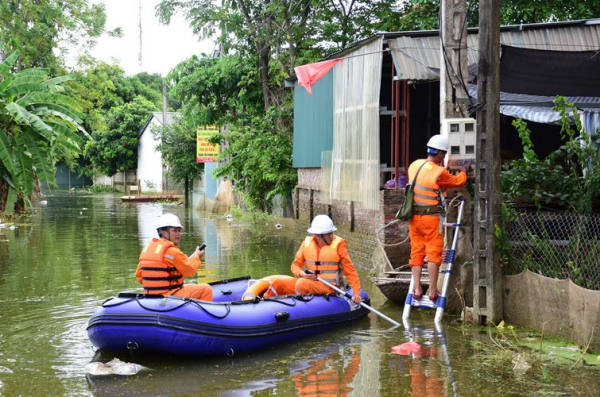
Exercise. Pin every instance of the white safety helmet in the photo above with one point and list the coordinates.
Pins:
(321, 224)
(168, 220)
(438, 142)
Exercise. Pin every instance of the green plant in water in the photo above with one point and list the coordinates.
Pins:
(253, 217)
(98, 189)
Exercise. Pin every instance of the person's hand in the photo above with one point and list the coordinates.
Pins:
(309, 276)
(466, 167)
(198, 252)
(357, 299)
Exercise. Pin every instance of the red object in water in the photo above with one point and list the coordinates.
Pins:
(407, 348)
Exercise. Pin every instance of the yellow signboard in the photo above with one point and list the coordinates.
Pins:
(206, 152)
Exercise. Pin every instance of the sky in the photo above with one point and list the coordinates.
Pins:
(163, 46)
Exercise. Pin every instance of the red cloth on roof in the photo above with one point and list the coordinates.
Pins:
(309, 74)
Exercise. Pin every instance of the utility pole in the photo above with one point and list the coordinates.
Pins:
(487, 275)
(164, 124)
(140, 26)
(454, 63)
(453, 82)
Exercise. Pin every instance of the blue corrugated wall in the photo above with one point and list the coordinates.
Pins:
(313, 122)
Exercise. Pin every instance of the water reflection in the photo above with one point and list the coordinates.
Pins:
(69, 256)
(429, 366)
(329, 365)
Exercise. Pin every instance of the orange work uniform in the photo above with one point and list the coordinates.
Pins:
(426, 237)
(328, 262)
(162, 267)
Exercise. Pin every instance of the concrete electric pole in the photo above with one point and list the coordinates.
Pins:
(487, 276)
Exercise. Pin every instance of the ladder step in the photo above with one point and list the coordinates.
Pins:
(425, 302)
(450, 224)
(448, 256)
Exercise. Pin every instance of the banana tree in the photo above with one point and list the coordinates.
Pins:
(38, 125)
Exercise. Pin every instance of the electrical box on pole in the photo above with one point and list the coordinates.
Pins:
(462, 138)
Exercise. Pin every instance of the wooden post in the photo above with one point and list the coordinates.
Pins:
(454, 62)
(311, 203)
(352, 217)
(487, 276)
(453, 80)
(297, 203)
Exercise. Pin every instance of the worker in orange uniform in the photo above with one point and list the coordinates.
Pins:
(162, 265)
(425, 227)
(324, 255)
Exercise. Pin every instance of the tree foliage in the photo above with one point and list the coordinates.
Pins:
(261, 43)
(115, 149)
(260, 164)
(568, 178)
(103, 91)
(424, 14)
(37, 127)
(38, 28)
(178, 148)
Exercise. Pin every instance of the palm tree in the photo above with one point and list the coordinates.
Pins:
(38, 125)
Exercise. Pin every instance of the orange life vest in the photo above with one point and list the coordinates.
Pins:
(157, 276)
(428, 197)
(326, 262)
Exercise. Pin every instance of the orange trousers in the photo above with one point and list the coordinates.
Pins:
(282, 286)
(425, 386)
(305, 286)
(201, 292)
(425, 240)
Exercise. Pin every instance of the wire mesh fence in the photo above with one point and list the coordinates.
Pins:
(556, 245)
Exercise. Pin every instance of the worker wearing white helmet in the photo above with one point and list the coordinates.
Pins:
(162, 265)
(426, 233)
(324, 255)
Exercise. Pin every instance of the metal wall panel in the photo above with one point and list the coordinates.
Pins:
(313, 122)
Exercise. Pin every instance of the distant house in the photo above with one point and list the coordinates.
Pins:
(151, 174)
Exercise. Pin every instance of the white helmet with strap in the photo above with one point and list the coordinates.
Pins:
(168, 220)
(322, 224)
(438, 142)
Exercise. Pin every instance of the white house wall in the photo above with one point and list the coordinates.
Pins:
(149, 166)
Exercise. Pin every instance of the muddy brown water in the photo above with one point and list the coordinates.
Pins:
(65, 259)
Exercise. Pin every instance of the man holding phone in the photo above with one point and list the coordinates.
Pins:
(162, 265)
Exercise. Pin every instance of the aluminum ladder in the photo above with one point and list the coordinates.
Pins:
(448, 256)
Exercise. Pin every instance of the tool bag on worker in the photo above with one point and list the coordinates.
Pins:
(406, 208)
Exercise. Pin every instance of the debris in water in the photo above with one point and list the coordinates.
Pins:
(114, 367)
(521, 366)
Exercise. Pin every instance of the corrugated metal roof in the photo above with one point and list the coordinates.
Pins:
(539, 109)
(418, 58)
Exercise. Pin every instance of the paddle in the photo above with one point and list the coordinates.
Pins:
(333, 287)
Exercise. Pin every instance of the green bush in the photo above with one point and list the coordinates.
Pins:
(568, 178)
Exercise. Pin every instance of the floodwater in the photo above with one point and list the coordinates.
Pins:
(64, 260)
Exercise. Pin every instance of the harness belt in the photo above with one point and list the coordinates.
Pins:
(428, 210)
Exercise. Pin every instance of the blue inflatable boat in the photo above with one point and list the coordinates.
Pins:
(227, 325)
